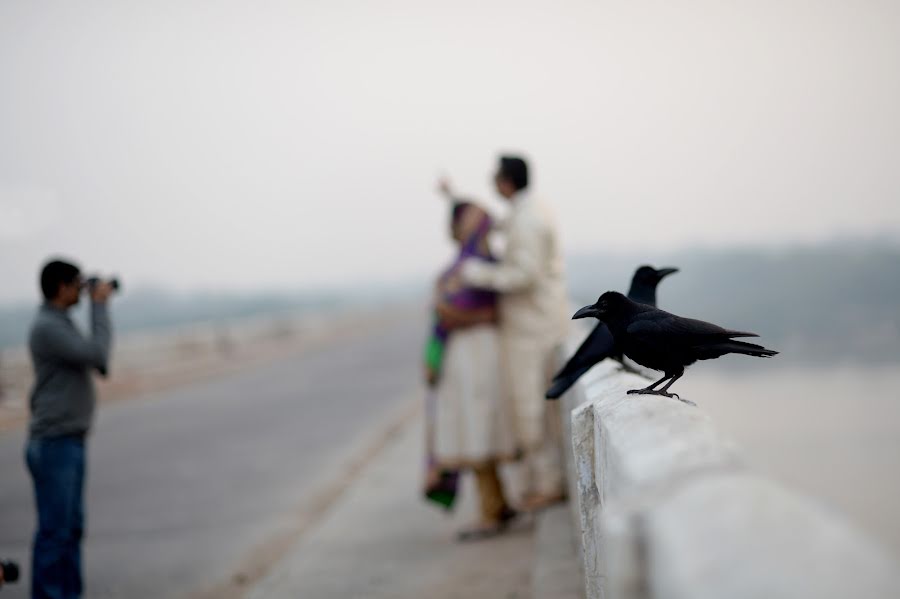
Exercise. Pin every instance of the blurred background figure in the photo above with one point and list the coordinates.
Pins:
(62, 411)
(473, 427)
(533, 322)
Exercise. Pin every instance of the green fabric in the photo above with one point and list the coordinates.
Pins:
(443, 496)
(434, 353)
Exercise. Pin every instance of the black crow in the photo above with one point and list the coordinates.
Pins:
(663, 341)
(644, 282)
(599, 344)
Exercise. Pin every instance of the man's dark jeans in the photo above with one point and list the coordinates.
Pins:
(57, 468)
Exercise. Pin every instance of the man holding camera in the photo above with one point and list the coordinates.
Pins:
(62, 409)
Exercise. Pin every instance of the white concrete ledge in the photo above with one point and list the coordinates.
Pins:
(666, 509)
(742, 537)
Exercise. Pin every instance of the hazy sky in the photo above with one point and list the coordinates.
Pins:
(244, 145)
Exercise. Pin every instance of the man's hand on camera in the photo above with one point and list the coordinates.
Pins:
(101, 292)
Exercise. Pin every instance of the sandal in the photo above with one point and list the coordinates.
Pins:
(537, 502)
(508, 515)
(479, 532)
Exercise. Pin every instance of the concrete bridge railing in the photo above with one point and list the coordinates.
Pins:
(667, 509)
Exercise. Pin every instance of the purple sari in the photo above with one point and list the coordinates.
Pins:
(468, 298)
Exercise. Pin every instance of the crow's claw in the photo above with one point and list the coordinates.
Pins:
(662, 393)
(649, 392)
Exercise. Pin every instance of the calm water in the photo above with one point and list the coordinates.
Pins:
(833, 434)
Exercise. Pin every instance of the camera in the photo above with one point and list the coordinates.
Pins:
(10, 570)
(92, 282)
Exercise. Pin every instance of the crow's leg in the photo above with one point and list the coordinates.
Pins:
(664, 391)
(649, 389)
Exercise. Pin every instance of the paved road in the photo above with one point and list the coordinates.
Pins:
(359, 551)
(182, 484)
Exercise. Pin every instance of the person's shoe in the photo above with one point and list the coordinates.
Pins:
(538, 502)
(480, 532)
(508, 515)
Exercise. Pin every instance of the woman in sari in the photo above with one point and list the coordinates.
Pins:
(471, 421)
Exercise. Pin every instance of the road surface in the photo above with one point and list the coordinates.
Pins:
(183, 484)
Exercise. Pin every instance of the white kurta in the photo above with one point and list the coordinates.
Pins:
(533, 309)
(474, 422)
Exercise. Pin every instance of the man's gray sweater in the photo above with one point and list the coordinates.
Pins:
(62, 401)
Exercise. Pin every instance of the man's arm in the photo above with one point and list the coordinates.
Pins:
(67, 345)
(101, 329)
(454, 318)
(518, 270)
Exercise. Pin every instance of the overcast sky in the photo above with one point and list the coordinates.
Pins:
(291, 145)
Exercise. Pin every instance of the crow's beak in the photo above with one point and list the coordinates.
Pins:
(665, 272)
(586, 312)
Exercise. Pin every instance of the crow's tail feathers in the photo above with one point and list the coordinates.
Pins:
(748, 349)
(559, 387)
(562, 383)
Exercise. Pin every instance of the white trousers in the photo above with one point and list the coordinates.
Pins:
(529, 364)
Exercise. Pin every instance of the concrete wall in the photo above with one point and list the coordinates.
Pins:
(667, 509)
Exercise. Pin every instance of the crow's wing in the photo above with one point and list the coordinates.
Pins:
(710, 351)
(598, 345)
(662, 327)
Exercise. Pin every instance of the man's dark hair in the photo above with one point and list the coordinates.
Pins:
(56, 273)
(515, 170)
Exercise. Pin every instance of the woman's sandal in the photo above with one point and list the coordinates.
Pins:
(482, 531)
(536, 503)
(487, 530)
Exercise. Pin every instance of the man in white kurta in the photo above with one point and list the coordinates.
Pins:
(533, 323)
